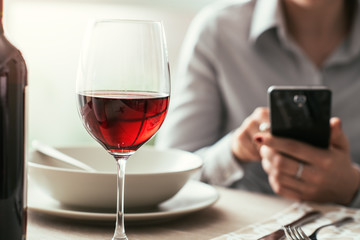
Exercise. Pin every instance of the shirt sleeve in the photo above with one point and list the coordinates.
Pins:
(356, 201)
(196, 114)
(221, 167)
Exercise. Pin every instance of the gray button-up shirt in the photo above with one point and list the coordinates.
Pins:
(232, 53)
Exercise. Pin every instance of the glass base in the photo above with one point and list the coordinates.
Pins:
(120, 238)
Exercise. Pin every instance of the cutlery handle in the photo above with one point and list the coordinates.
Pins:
(54, 153)
(336, 224)
(306, 218)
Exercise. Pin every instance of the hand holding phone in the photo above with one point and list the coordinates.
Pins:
(301, 112)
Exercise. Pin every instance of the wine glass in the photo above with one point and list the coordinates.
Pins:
(123, 90)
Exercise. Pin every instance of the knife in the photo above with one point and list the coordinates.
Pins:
(306, 218)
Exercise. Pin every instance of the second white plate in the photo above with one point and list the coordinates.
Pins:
(194, 196)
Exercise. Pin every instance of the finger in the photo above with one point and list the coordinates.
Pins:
(286, 186)
(337, 135)
(259, 116)
(243, 145)
(248, 147)
(296, 149)
(262, 114)
(337, 139)
(275, 161)
(250, 127)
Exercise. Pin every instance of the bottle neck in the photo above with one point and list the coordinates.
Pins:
(1, 17)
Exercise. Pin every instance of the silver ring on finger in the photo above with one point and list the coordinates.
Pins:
(299, 171)
(264, 126)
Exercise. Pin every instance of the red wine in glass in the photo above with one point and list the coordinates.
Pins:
(123, 89)
(122, 121)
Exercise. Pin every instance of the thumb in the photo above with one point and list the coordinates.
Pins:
(337, 135)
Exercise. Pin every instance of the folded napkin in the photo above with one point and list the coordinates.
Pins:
(330, 212)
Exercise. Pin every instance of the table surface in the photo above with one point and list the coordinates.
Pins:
(234, 210)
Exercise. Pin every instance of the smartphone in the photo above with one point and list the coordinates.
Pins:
(301, 113)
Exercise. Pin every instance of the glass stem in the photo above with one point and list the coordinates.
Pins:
(120, 227)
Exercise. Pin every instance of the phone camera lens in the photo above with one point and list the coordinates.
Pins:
(300, 100)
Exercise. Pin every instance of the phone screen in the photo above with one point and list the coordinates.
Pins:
(301, 113)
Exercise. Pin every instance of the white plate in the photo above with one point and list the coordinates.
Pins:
(194, 196)
(148, 169)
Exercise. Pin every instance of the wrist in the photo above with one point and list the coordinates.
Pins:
(356, 170)
(235, 157)
(235, 149)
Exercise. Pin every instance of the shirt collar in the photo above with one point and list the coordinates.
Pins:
(351, 46)
(267, 15)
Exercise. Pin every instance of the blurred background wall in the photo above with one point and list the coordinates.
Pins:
(50, 33)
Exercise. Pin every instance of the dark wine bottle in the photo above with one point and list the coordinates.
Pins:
(13, 83)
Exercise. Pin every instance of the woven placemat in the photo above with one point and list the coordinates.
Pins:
(330, 213)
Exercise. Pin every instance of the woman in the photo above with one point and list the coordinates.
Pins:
(233, 52)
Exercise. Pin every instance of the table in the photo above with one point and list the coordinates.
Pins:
(234, 209)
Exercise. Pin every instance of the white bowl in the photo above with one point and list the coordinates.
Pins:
(152, 176)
